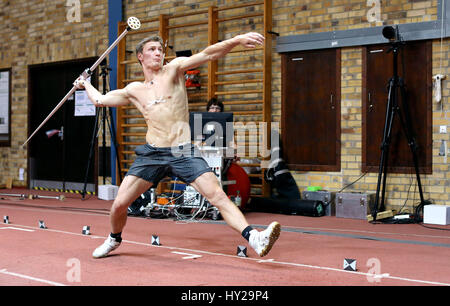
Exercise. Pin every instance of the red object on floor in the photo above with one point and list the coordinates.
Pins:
(237, 173)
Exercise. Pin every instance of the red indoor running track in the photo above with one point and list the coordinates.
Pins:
(309, 252)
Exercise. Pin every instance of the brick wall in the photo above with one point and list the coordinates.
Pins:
(65, 40)
(42, 31)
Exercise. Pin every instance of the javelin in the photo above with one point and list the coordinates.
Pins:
(133, 24)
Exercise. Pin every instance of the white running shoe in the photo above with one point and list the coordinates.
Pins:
(262, 242)
(107, 247)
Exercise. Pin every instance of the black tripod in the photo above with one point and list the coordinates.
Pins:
(104, 73)
(396, 84)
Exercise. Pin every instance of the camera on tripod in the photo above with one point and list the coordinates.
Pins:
(394, 109)
(391, 33)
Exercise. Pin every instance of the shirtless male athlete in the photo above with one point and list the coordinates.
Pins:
(162, 100)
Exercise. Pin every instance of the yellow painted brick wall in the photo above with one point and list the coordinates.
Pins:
(35, 32)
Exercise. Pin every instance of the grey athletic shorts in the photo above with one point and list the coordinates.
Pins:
(153, 164)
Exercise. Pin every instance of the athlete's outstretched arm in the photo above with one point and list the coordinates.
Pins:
(113, 98)
(218, 50)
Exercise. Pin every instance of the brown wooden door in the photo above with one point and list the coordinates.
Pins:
(414, 67)
(311, 110)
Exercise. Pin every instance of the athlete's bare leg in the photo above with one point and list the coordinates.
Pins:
(208, 186)
(130, 189)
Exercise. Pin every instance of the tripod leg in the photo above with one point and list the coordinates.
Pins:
(91, 152)
(393, 108)
(382, 172)
(405, 121)
(385, 171)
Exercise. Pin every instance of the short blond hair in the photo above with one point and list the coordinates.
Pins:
(141, 44)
